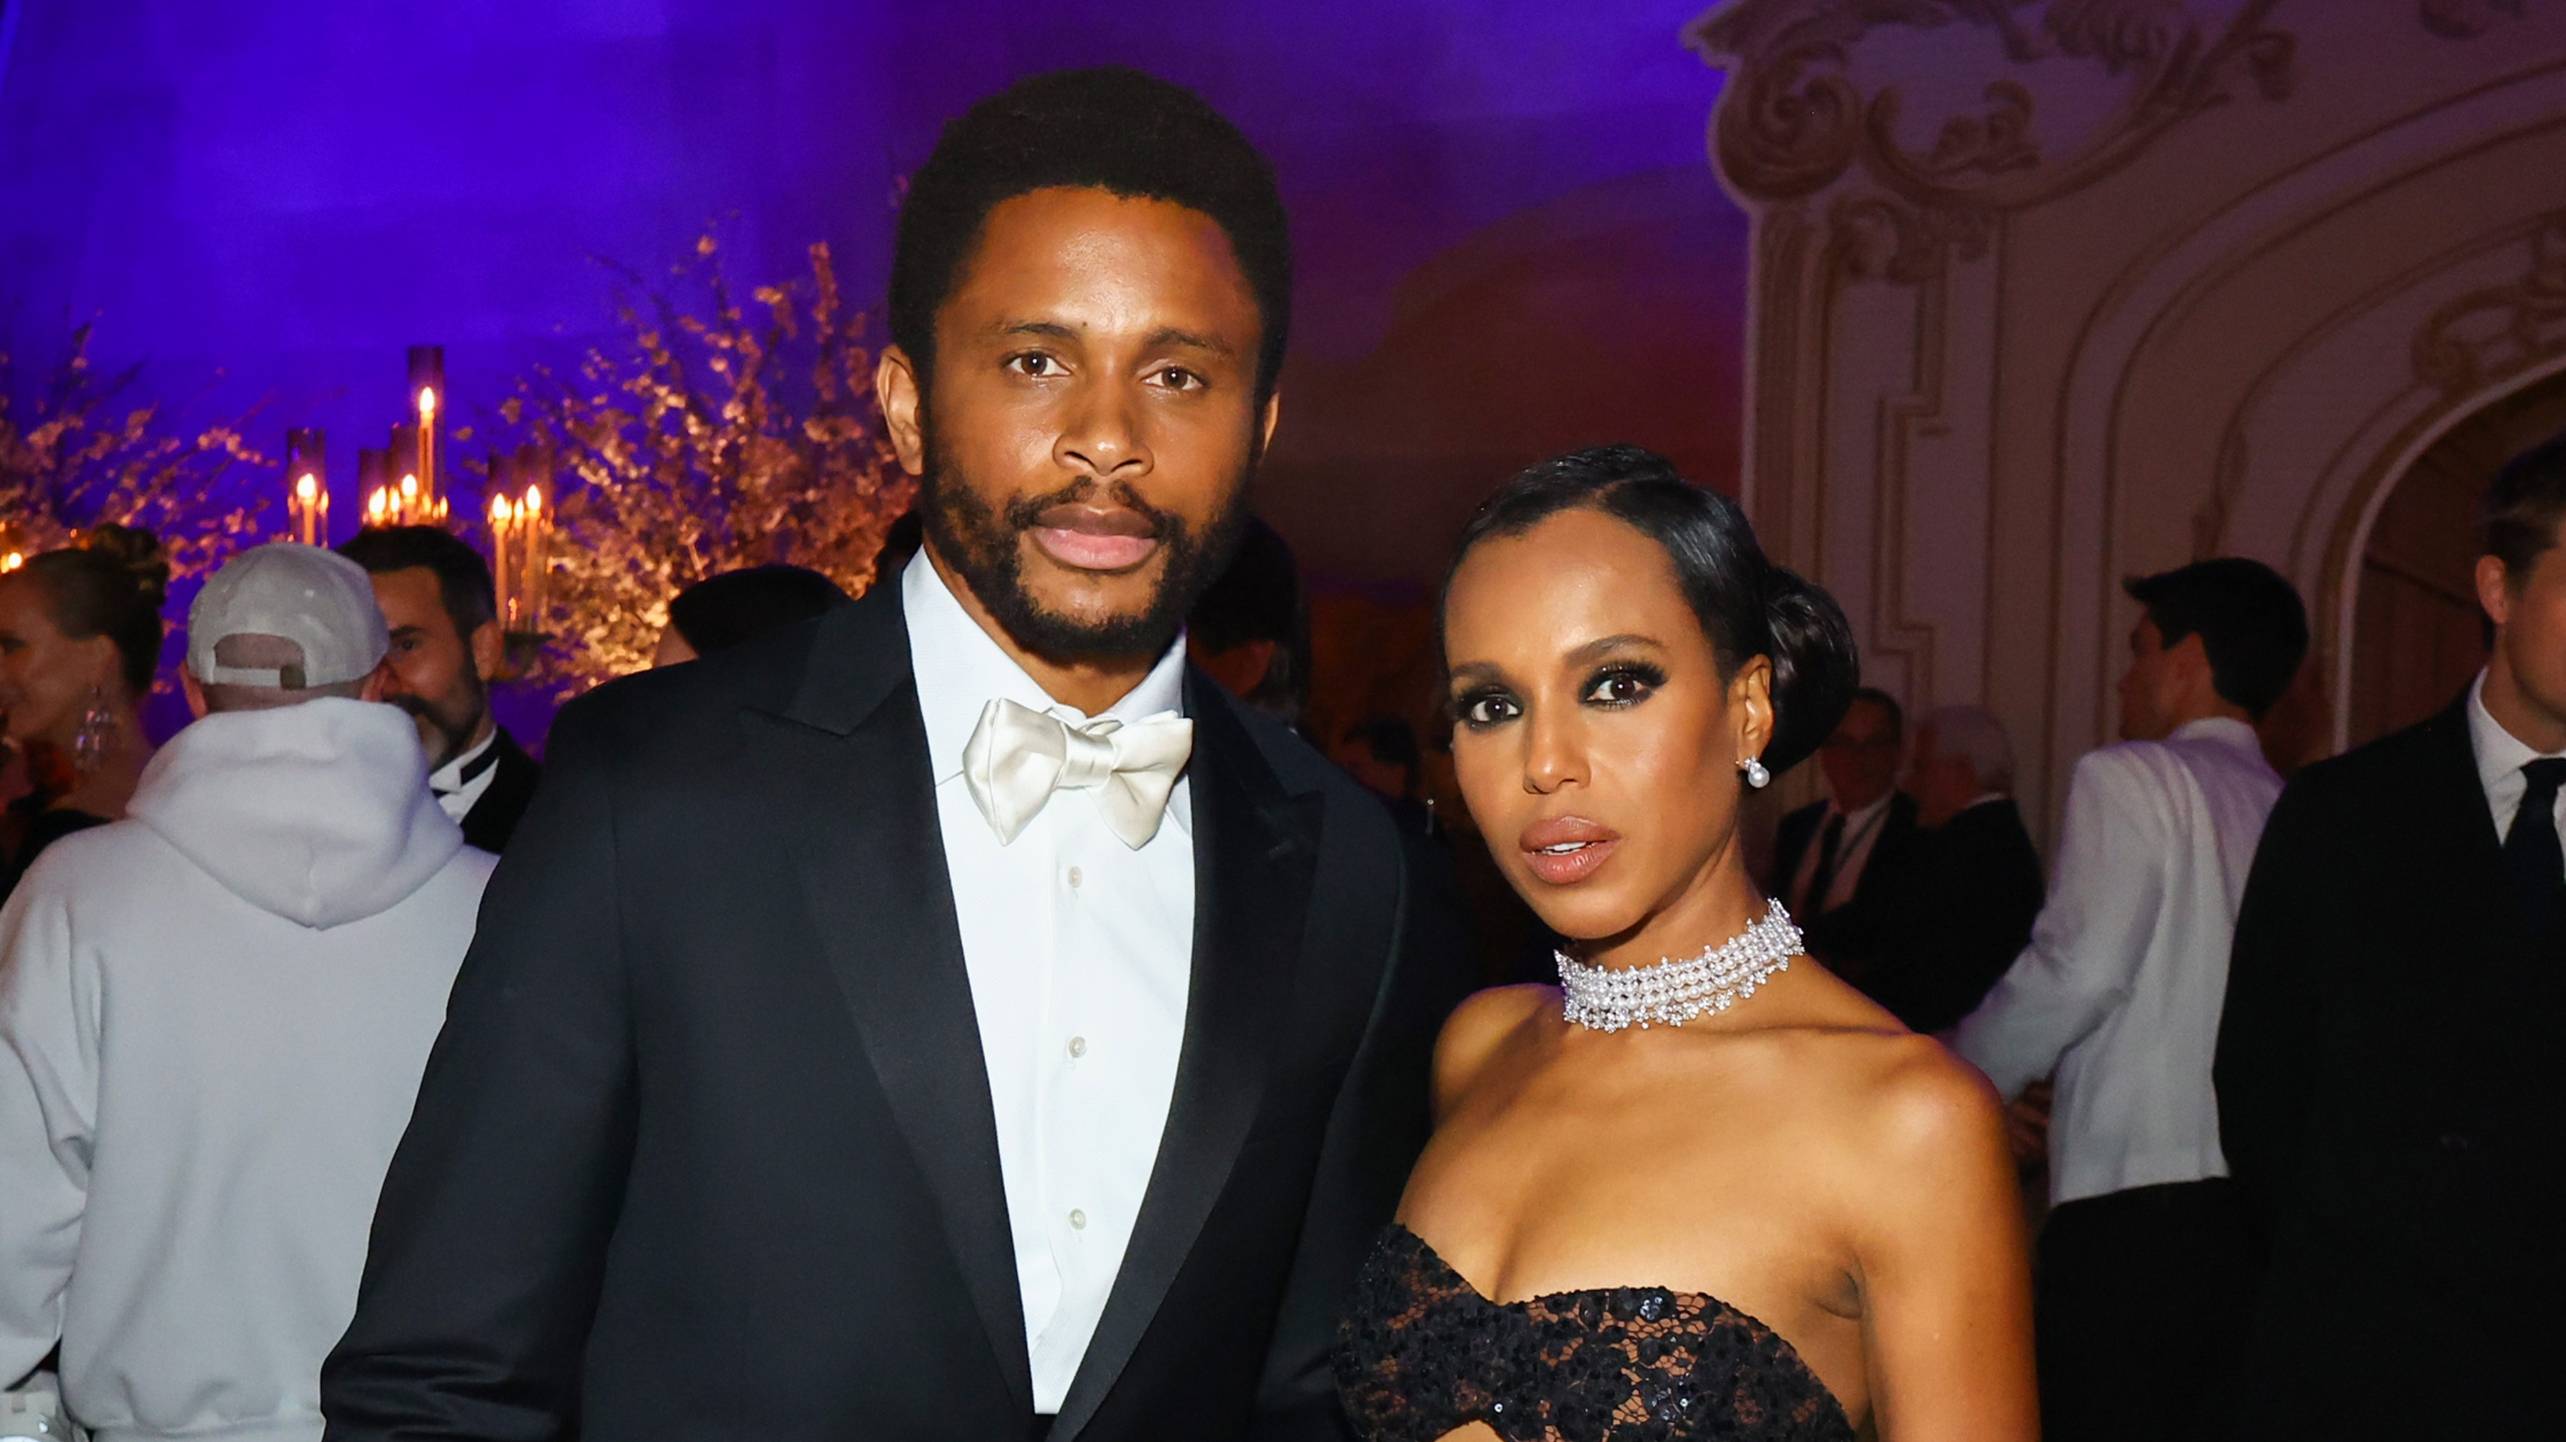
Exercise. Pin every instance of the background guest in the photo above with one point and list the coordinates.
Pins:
(80, 636)
(1929, 944)
(446, 648)
(2387, 1081)
(187, 1175)
(720, 612)
(1251, 630)
(2119, 993)
(1827, 853)
(1381, 752)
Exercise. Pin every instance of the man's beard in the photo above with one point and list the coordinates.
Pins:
(448, 731)
(983, 546)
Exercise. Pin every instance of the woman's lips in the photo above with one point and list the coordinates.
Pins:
(1086, 539)
(1567, 849)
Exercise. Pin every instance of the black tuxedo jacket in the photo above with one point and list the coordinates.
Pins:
(706, 1147)
(493, 819)
(2387, 1088)
(1799, 831)
(1944, 924)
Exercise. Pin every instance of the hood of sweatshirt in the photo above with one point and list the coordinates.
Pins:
(318, 812)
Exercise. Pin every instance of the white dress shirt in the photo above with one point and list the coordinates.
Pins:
(456, 792)
(2121, 988)
(1861, 833)
(1079, 950)
(2500, 757)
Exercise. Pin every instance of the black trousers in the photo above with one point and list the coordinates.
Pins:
(2138, 1299)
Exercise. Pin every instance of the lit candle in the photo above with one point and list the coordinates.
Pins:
(12, 561)
(500, 518)
(307, 509)
(428, 442)
(408, 500)
(378, 507)
(537, 529)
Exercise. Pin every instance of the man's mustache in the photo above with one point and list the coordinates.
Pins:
(1024, 513)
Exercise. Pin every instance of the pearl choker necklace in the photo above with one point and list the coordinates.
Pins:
(1674, 992)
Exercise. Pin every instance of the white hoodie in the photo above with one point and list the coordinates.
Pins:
(213, 1016)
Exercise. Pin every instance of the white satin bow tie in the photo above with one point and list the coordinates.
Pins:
(1018, 757)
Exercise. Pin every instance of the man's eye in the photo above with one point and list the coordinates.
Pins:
(1033, 364)
(1177, 378)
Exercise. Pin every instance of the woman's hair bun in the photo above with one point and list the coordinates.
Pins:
(1815, 666)
(139, 552)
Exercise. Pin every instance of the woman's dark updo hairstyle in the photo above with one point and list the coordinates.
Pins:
(112, 584)
(1747, 605)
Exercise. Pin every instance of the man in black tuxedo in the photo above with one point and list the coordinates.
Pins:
(2386, 1068)
(953, 1017)
(1850, 846)
(447, 646)
(1929, 943)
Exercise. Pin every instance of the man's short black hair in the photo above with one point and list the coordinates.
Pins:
(1886, 702)
(463, 577)
(2250, 621)
(2518, 516)
(1112, 129)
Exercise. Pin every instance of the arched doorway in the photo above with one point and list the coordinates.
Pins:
(2417, 634)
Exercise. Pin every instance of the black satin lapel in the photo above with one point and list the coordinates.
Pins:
(873, 869)
(1256, 853)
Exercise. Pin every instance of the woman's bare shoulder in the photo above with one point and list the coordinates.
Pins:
(1479, 1028)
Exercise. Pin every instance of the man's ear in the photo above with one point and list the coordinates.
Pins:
(376, 682)
(1273, 413)
(489, 651)
(195, 690)
(900, 398)
(2495, 589)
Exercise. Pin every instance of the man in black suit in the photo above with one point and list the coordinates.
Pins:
(1930, 943)
(447, 646)
(1850, 846)
(953, 1017)
(2386, 1072)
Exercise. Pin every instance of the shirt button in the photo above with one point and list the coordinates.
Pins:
(1077, 878)
(1077, 1220)
(1077, 1046)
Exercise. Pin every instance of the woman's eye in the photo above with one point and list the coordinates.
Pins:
(1620, 688)
(1033, 364)
(1485, 710)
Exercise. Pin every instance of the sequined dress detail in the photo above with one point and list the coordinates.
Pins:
(1422, 1353)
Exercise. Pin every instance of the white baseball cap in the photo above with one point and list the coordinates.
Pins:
(319, 600)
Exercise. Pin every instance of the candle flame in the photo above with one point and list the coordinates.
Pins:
(409, 488)
(534, 500)
(306, 487)
(427, 401)
(500, 513)
(377, 504)
(12, 561)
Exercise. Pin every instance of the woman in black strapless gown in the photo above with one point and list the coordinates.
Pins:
(1712, 1196)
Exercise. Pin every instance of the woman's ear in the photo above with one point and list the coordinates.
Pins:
(1750, 699)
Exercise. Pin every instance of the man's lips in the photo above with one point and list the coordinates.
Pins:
(1565, 850)
(1089, 538)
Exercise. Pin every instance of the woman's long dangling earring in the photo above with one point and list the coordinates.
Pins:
(1757, 777)
(97, 729)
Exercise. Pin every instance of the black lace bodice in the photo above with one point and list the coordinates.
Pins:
(1421, 1353)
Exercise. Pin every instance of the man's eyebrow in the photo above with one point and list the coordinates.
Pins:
(399, 631)
(1171, 336)
(1050, 329)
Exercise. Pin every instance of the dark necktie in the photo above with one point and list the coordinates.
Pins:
(1830, 851)
(471, 769)
(2532, 854)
